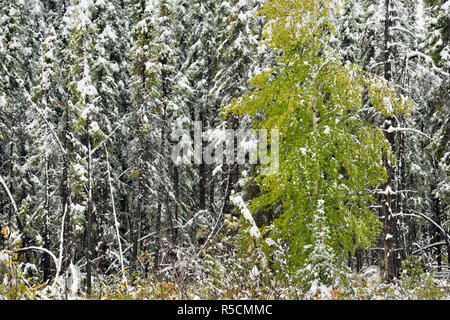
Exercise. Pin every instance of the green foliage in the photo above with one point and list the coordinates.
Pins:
(327, 153)
(90, 92)
(14, 284)
(413, 269)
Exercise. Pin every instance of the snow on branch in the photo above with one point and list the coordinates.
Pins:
(421, 215)
(398, 129)
(51, 254)
(55, 136)
(239, 202)
(11, 198)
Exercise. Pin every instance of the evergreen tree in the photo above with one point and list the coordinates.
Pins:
(159, 110)
(435, 120)
(375, 37)
(16, 71)
(46, 150)
(240, 58)
(201, 68)
(320, 260)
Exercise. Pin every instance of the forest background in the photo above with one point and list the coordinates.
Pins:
(95, 96)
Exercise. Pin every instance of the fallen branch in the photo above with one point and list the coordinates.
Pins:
(51, 254)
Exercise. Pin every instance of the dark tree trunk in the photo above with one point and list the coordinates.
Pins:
(46, 257)
(65, 196)
(89, 215)
(202, 172)
(137, 223)
(389, 234)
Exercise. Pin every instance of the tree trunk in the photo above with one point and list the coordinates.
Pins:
(65, 196)
(436, 214)
(89, 215)
(202, 172)
(137, 224)
(176, 188)
(158, 237)
(46, 257)
(389, 234)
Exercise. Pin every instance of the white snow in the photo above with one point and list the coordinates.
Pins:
(74, 279)
(4, 257)
(79, 170)
(248, 146)
(3, 101)
(239, 202)
(388, 191)
(217, 170)
(254, 232)
(94, 127)
(254, 273)
(388, 105)
(270, 242)
(77, 208)
(85, 87)
(86, 4)
(109, 33)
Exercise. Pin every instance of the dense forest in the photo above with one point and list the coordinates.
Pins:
(224, 149)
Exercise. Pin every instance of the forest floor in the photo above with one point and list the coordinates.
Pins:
(354, 287)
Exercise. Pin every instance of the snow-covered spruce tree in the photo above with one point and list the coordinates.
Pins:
(239, 52)
(176, 93)
(435, 120)
(320, 263)
(91, 117)
(240, 58)
(185, 177)
(158, 109)
(201, 67)
(46, 151)
(418, 77)
(16, 71)
(350, 25)
(81, 113)
(69, 64)
(109, 76)
(387, 38)
(325, 151)
(142, 77)
(438, 23)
